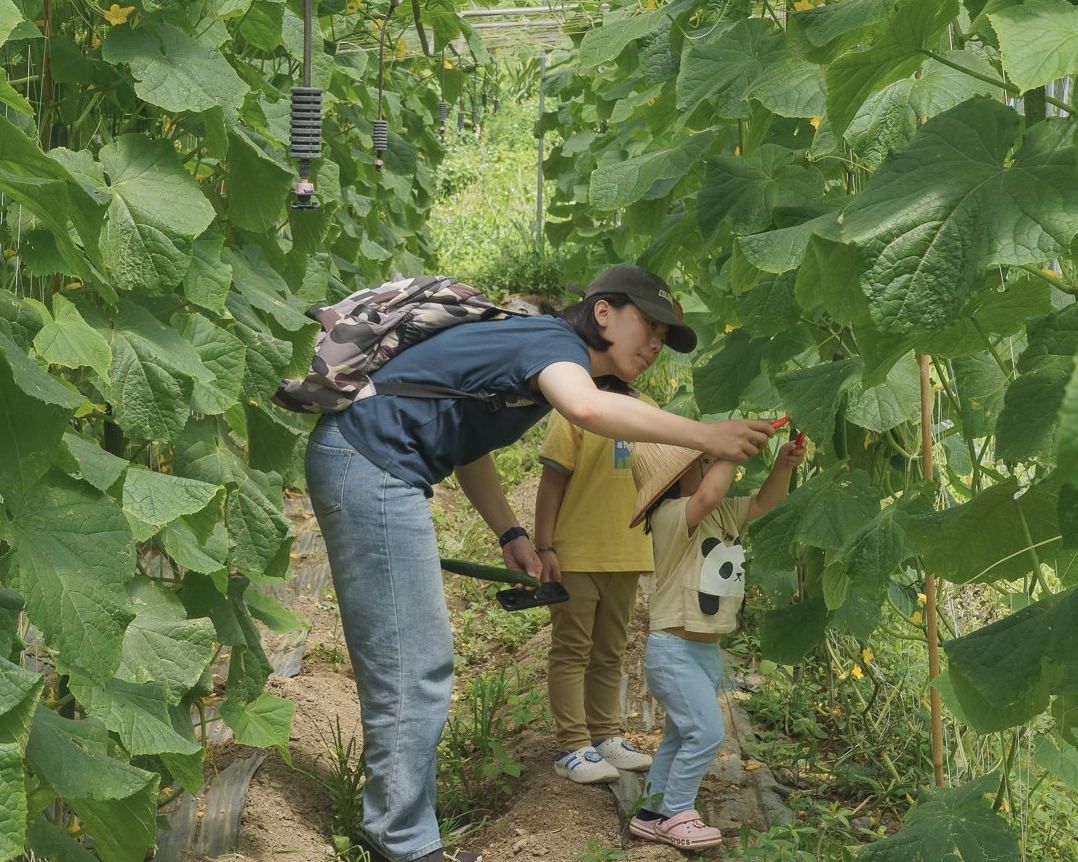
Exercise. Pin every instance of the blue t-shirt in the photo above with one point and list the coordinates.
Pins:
(421, 440)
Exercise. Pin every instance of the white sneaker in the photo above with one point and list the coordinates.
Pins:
(621, 755)
(584, 766)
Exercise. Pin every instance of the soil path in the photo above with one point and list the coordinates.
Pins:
(286, 812)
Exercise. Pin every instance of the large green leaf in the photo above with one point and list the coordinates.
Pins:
(950, 825)
(880, 408)
(888, 119)
(72, 552)
(20, 690)
(985, 540)
(13, 807)
(620, 182)
(981, 384)
(34, 412)
(157, 209)
(867, 560)
(257, 528)
(824, 25)
(602, 44)
(70, 341)
(826, 512)
(722, 69)
(208, 278)
(154, 370)
(1038, 40)
(1058, 758)
(1005, 672)
(9, 17)
(11, 606)
(790, 87)
(98, 467)
(174, 71)
(743, 192)
(781, 250)
(136, 713)
(1027, 423)
(718, 385)
(152, 499)
(787, 634)
(264, 721)
(224, 356)
(259, 185)
(934, 217)
(895, 55)
(162, 646)
(812, 395)
(116, 801)
(49, 191)
(206, 557)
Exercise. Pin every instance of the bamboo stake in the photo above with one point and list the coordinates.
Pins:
(930, 580)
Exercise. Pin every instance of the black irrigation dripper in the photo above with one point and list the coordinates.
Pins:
(443, 106)
(380, 134)
(305, 123)
(443, 113)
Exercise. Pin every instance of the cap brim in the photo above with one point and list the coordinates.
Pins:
(680, 336)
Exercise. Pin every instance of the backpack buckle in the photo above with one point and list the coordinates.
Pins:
(493, 401)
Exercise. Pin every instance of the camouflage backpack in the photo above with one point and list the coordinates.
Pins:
(363, 331)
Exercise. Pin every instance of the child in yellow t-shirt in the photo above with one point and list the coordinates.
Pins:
(585, 499)
(700, 574)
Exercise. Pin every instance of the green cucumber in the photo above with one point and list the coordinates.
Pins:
(488, 573)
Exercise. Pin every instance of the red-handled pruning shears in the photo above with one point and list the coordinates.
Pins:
(799, 441)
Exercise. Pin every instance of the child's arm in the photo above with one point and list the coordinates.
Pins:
(776, 486)
(548, 500)
(713, 487)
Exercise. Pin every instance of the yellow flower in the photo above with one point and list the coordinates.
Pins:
(915, 618)
(740, 475)
(402, 49)
(802, 5)
(857, 673)
(737, 151)
(1051, 273)
(922, 598)
(118, 14)
(868, 439)
(815, 122)
(95, 40)
(867, 655)
(727, 329)
(352, 7)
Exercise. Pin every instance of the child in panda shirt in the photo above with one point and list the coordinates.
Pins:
(700, 573)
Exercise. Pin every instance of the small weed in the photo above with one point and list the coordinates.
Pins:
(474, 767)
(343, 781)
(596, 852)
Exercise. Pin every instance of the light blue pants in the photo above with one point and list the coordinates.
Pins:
(384, 558)
(684, 676)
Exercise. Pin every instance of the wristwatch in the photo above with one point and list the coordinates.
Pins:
(510, 534)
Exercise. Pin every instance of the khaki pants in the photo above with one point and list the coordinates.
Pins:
(589, 635)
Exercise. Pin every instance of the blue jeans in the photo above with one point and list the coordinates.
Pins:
(684, 676)
(384, 559)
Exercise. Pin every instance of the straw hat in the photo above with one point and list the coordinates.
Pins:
(657, 466)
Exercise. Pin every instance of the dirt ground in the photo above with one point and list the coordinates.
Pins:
(287, 811)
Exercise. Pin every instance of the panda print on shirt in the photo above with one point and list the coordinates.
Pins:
(722, 578)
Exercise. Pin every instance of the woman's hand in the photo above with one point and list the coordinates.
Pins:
(520, 556)
(737, 439)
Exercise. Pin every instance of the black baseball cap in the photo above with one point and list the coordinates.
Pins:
(652, 296)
